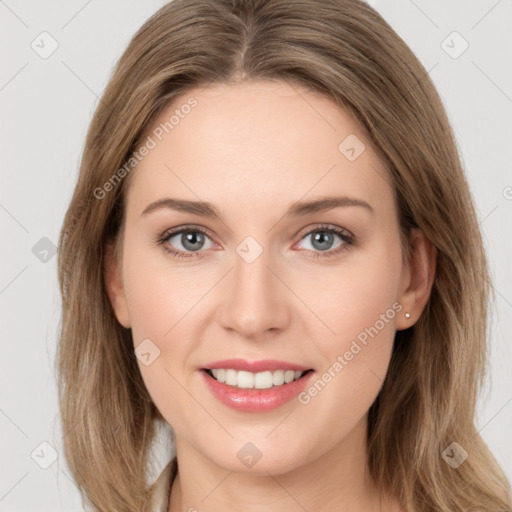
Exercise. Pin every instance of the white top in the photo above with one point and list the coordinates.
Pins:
(161, 488)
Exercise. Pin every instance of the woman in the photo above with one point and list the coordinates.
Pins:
(272, 248)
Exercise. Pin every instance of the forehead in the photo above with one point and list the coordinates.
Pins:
(257, 143)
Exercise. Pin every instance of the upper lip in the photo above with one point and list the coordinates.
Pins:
(255, 366)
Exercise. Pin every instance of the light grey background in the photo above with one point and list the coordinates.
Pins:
(47, 104)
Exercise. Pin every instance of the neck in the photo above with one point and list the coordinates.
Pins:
(337, 480)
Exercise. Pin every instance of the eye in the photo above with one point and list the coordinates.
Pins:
(191, 239)
(323, 238)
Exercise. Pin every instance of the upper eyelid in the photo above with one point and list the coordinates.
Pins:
(324, 226)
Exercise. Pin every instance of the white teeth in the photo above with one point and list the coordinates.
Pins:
(289, 375)
(278, 378)
(221, 375)
(263, 380)
(250, 380)
(245, 380)
(231, 377)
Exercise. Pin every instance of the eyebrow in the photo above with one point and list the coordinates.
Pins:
(297, 209)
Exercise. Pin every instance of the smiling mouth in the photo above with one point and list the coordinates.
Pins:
(249, 380)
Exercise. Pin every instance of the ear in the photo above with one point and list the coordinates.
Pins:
(115, 287)
(417, 278)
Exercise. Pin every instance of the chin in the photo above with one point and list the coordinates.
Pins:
(257, 458)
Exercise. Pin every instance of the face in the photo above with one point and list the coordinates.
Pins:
(266, 288)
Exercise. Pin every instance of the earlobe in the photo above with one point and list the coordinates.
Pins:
(418, 278)
(115, 287)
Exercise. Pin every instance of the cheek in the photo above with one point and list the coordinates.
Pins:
(354, 295)
(361, 310)
(162, 303)
(159, 296)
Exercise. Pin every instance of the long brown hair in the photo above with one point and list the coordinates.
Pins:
(346, 51)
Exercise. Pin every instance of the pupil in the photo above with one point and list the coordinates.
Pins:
(192, 239)
(322, 236)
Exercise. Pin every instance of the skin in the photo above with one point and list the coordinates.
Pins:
(251, 150)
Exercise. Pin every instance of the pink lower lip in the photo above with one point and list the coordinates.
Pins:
(255, 400)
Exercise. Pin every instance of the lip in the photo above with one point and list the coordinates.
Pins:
(255, 366)
(256, 400)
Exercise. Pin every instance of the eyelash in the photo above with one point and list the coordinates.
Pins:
(347, 238)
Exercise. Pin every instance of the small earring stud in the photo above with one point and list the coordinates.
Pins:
(407, 315)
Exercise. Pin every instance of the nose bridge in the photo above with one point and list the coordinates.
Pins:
(256, 300)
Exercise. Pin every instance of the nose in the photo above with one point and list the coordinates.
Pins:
(256, 300)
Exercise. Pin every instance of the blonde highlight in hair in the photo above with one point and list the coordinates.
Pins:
(344, 50)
